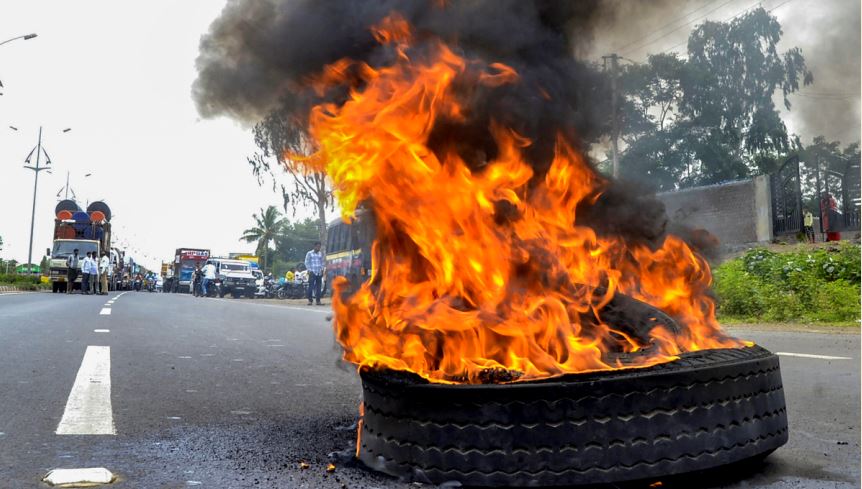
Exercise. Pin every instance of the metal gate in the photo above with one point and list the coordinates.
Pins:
(786, 198)
(839, 198)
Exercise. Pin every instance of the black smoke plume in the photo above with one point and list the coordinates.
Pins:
(259, 54)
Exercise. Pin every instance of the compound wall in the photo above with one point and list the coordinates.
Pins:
(737, 213)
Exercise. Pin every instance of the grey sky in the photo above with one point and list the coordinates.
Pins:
(120, 74)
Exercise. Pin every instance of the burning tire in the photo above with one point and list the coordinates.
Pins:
(708, 408)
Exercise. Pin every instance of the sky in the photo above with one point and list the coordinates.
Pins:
(119, 74)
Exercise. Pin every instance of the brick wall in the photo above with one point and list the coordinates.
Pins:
(736, 212)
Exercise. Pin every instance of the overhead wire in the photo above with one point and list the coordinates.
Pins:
(738, 14)
(639, 47)
(683, 17)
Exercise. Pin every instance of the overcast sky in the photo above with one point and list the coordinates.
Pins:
(119, 74)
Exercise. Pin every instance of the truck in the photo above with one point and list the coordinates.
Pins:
(185, 261)
(86, 231)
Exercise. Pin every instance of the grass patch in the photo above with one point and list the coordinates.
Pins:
(807, 286)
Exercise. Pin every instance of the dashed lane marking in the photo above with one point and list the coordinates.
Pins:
(101, 330)
(88, 410)
(809, 355)
(106, 311)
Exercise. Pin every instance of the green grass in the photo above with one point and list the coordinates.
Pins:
(804, 286)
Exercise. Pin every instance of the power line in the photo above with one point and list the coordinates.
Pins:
(674, 21)
(637, 48)
(741, 12)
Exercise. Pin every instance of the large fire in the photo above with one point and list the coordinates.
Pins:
(477, 269)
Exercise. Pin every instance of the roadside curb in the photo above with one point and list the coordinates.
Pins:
(6, 289)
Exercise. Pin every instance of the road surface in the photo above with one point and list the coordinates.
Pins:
(222, 393)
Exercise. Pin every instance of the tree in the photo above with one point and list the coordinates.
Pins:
(267, 226)
(282, 136)
(710, 117)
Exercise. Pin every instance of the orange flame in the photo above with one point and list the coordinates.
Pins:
(454, 291)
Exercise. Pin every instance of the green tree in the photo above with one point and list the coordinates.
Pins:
(267, 226)
(710, 117)
(295, 240)
(282, 136)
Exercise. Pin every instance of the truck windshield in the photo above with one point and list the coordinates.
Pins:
(234, 267)
(63, 249)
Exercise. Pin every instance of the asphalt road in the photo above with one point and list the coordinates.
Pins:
(234, 393)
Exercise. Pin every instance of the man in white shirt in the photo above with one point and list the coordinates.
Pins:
(104, 267)
(209, 276)
(94, 273)
(85, 274)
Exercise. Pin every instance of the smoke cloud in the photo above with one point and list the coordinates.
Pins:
(259, 54)
(829, 35)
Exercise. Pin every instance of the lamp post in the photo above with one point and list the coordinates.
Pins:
(39, 150)
(24, 37)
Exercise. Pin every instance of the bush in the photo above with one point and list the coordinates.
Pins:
(817, 285)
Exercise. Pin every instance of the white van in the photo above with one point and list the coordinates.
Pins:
(235, 277)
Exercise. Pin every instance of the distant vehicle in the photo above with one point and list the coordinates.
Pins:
(348, 249)
(235, 277)
(185, 261)
(86, 231)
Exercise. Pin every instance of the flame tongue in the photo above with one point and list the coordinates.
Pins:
(482, 268)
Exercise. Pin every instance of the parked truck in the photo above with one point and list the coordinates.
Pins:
(74, 228)
(185, 261)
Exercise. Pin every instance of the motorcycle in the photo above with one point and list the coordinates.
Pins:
(213, 289)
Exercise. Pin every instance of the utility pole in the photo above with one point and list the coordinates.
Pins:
(615, 128)
(39, 150)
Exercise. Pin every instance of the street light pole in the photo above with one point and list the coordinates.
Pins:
(24, 37)
(35, 169)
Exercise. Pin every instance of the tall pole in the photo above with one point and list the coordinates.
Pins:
(36, 169)
(615, 129)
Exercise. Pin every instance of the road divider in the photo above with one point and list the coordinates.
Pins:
(88, 410)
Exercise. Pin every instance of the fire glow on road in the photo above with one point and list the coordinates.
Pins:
(88, 410)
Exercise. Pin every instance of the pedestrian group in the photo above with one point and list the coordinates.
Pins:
(95, 272)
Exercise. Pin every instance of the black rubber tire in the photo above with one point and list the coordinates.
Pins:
(707, 409)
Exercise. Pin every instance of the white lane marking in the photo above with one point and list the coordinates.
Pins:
(326, 310)
(106, 311)
(88, 410)
(101, 330)
(808, 355)
(96, 475)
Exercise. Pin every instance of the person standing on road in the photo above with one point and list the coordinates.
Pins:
(72, 270)
(808, 222)
(195, 282)
(94, 273)
(85, 275)
(104, 266)
(209, 276)
(314, 264)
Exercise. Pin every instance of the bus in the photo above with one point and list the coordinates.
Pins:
(348, 249)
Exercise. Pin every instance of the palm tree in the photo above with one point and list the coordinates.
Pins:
(267, 226)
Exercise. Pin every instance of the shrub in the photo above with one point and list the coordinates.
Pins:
(815, 285)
